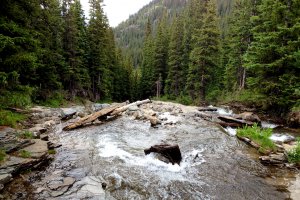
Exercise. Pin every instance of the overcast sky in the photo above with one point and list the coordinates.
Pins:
(118, 10)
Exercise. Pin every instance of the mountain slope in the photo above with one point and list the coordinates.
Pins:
(130, 34)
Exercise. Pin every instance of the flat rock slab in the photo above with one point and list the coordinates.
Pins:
(14, 164)
(92, 187)
(5, 178)
(38, 149)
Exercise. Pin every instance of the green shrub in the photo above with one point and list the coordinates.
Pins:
(20, 97)
(51, 151)
(184, 99)
(26, 135)
(2, 155)
(259, 136)
(24, 154)
(294, 154)
(8, 118)
(54, 100)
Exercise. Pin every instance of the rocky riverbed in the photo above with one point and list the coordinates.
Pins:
(107, 160)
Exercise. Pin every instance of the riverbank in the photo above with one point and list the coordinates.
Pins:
(117, 146)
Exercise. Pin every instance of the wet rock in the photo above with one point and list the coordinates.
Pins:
(248, 116)
(38, 149)
(138, 115)
(273, 159)
(37, 130)
(133, 108)
(171, 152)
(49, 123)
(57, 184)
(53, 145)
(97, 106)
(14, 165)
(154, 121)
(293, 119)
(44, 137)
(5, 178)
(91, 186)
(229, 119)
(67, 113)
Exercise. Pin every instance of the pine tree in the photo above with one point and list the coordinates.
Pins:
(273, 54)
(76, 74)
(19, 44)
(238, 39)
(176, 76)
(147, 81)
(160, 53)
(97, 56)
(204, 55)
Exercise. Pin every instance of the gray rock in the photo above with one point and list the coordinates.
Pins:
(97, 106)
(38, 149)
(133, 108)
(5, 178)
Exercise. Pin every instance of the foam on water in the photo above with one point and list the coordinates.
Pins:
(108, 149)
(282, 138)
(268, 125)
(230, 131)
(169, 119)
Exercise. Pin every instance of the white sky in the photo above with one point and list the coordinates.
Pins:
(117, 10)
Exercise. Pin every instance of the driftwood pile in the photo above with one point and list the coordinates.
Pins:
(113, 110)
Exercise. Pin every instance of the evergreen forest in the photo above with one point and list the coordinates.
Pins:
(194, 52)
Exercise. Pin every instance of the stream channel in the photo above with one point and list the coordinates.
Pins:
(215, 164)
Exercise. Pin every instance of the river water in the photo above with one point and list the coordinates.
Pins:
(215, 165)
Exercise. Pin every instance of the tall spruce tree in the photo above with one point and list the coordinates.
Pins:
(273, 54)
(147, 81)
(97, 56)
(238, 40)
(160, 53)
(204, 56)
(176, 77)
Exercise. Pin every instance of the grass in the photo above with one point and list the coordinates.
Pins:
(2, 155)
(294, 154)
(24, 154)
(259, 136)
(8, 118)
(51, 151)
(182, 99)
(26, 135)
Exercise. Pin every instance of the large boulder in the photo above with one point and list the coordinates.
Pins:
(294, 119)
(171, 152)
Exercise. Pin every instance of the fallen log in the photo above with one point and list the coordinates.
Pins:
(207, 109)
(232, 125)
(229, 119)
(124, 108)
(93, 117)
(171, 152)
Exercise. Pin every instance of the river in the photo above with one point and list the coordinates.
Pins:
(215, 165)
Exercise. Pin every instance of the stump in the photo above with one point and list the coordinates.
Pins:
(171, 152)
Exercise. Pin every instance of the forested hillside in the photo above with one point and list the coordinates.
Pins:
(49, 51)
(217, 51)
(195, 51)
(130, 34)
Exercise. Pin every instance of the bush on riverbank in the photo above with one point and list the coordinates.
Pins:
(294, 154)
(259, 136)
(2, 155)
(8, 118)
